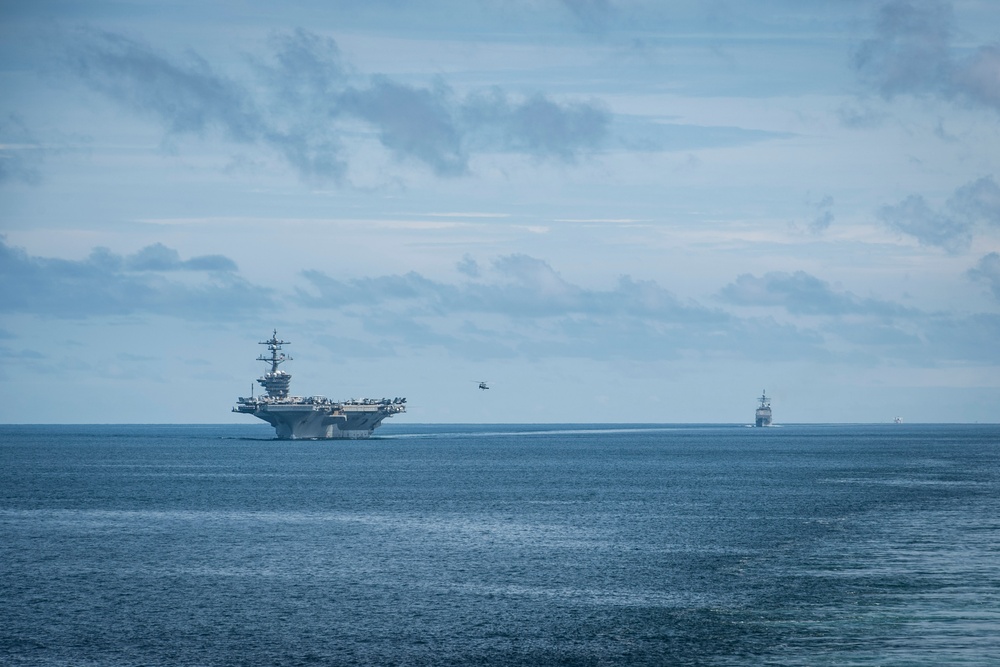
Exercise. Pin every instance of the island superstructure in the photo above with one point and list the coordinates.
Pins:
(311, 417)
(763, 415)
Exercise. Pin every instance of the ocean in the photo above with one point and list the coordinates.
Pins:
(501, 545)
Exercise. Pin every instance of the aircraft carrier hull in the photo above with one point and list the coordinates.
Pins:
(295, 420)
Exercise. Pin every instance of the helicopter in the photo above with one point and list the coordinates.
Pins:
(483, 385)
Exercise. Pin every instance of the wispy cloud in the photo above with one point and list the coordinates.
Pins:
(912, 52)
(308, 96)
(187, 95)
(641, 134)
(307, 104)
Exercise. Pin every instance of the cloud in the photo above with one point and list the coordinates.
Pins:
(158, 257)
(188, 96)
(468, 266)
(593, 15)
(306, 105)
(970, 208)
(306, 70)
(535, 125)
(520, 287)
(978, 76)
(635, 133)
(874, 331)
(412, 122)
(912, 53)
(109, 284)
(800, 293)
(515, 306)
(915, 217)
(972, 338)
(860, 117)
(978, 202)
(327, 292)
(988, 271)
(824, 218)
(520, 305)
(304, 102)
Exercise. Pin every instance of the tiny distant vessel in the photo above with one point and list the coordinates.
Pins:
(897, 420)
(763, 416)
(311, 417)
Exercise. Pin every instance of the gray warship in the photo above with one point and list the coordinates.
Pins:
(311, 417)
(763, 415)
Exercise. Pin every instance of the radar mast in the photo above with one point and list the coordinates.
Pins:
(274, 346)
(765, 402)
(275, 382)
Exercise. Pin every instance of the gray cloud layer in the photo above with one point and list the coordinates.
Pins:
(517, 306)
(109, 284)
(912, 52)
(521, 306)
(875, 330)
(307, 95)
(523, 287)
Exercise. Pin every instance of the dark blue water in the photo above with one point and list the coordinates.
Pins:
(500, 545)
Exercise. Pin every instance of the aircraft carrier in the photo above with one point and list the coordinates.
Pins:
(311, 417)
(763, 414)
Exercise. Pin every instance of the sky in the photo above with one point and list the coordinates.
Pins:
(613, 211)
